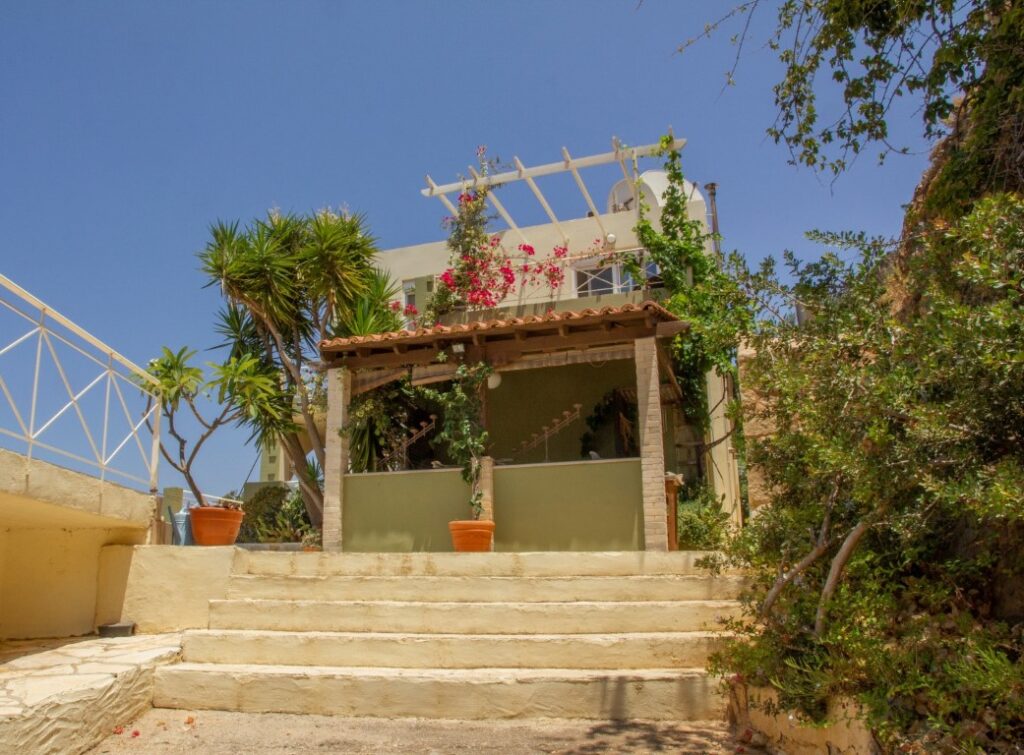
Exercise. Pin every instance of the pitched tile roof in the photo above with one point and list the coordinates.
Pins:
(576, 317)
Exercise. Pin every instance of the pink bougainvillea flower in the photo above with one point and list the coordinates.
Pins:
(410, 310)
(527, 249)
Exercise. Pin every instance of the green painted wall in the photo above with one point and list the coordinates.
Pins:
(581, 506)
(387, 512)
(527, 400)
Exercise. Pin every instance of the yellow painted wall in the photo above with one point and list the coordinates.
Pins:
(3, 550)
(163, 588)
(49, 579)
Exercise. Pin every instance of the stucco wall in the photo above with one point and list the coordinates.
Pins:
(3, 551)
(402, 511)
(166, 588)
(783, 732)
(49, 579)
(578, 506)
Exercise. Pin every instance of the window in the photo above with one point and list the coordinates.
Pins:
(409, 292)
(594, 280)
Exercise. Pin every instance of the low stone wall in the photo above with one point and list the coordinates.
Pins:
(66, 699)
(162, 588)
(786, 734)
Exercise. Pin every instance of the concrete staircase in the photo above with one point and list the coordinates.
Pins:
(471, 636)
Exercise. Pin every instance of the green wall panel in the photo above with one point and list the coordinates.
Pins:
(580, 506)
(387, 512)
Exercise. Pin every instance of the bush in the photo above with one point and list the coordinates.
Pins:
(701, 523)
(275, 514)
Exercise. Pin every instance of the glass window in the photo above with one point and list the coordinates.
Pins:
(409, 291)
(596, 280)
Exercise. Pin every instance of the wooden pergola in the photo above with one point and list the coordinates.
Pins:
(427, 355)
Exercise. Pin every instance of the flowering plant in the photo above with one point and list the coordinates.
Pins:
(481, 273)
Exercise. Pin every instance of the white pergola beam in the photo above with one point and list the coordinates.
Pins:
(540, 198)
(571, 167)
(443, 197)
(498, 179)
(501, 211)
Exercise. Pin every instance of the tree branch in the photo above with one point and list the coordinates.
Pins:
(835, 572)
(821, 547)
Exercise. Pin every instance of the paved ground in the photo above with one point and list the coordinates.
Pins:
(170, 732)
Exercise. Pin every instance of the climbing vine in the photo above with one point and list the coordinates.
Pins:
(700, 290)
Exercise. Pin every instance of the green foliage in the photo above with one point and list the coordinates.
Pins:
(289, 283)
(275, 514)
(244, 389)
(701, 523)
(699, 290)
(377, 424)
(617, 410)
(461, 431)
(948, 56)
(896, 472)
(372, 311)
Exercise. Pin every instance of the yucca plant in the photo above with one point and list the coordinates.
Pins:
(288, 281)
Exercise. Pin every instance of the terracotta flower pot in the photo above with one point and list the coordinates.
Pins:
(213, 525)
(471, 535)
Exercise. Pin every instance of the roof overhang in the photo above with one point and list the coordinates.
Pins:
(501, 341)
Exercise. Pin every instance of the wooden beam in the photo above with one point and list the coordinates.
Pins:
(564, 358)
(579, 340)
(670, 328)
(665, 363)
(387, 359)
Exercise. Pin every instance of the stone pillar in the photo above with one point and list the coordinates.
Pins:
(652, 449)
(487, 488)
(339, 391)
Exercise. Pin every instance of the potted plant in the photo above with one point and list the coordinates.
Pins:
(462, 433)
(216, 521)
(244, 388)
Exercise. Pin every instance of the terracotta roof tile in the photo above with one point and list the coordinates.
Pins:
(342, 344)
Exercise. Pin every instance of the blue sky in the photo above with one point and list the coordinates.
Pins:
(126, 128)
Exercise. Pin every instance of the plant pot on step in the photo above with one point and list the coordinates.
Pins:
(472, 535)
(213, 525)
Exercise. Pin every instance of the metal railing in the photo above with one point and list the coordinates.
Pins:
(189, 501)
(53, 368)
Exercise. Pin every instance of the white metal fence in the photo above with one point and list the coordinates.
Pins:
(66, 396)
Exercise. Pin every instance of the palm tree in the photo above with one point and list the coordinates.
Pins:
(288, 281)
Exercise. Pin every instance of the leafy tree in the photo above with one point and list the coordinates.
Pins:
(896, 473)
(699, 289)
(291, 282)
(960, 60)
(244, 388)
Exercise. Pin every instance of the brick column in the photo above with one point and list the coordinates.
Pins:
(339, 391)
(487, 488)
(652, 450)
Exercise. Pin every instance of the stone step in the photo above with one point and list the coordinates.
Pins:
(484, 589)
(580, 617)
(492, 693)
(596, 564)
(401, 650)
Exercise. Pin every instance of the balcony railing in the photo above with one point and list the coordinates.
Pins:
(66, 396)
